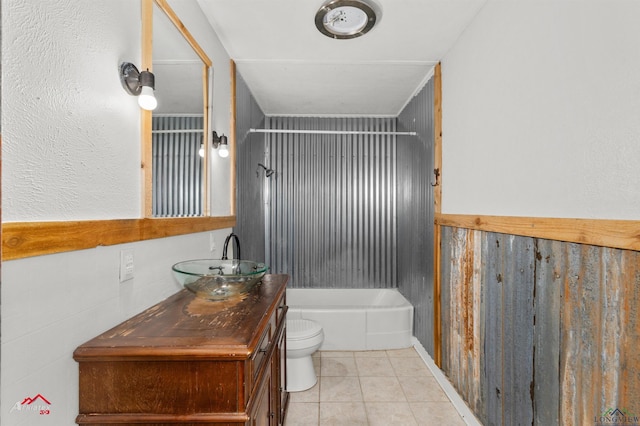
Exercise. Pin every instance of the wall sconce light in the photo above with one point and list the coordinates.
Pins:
(140, 84)
(220, 143)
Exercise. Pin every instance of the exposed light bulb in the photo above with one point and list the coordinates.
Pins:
(201, 150)
(223, 151)
(146, 99)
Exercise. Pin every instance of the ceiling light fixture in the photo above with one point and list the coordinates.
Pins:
(344, 19)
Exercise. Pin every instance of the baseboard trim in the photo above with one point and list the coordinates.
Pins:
(457, 401)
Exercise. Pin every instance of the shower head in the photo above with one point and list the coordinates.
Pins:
(267, 171)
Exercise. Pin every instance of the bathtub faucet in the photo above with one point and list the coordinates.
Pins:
(236, 251)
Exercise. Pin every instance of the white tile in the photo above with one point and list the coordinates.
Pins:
(309, 395)
(302, 414)
(340, 389)
(402, 353)
(374, 367)
(342, 413)
(390, 413)
(376, 396)
(381, 389)
(409, 366)
(436, 414)
(344, 366)
(422, 388)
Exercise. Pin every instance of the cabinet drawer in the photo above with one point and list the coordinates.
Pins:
(260, 355)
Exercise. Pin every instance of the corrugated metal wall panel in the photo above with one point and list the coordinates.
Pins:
(599, 331)
(461, 342)
(517, 260)
(250, 179)
(177, 166)
(558, 326)
(624, 269)
(415, 211)
(332, 203)
(492, 337)
(550, 264)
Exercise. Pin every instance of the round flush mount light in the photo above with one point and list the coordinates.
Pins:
(344, 19)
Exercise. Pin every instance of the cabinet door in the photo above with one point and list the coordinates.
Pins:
(262, 414)
(280, 377)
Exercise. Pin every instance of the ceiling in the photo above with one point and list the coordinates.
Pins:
(293, 69)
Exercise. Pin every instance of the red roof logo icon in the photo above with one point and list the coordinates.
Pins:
(29, 401)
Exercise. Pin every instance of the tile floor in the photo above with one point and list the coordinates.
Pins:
(386, 388)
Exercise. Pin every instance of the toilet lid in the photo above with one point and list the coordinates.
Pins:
(298, 329)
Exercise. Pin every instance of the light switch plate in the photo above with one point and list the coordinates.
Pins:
(126, 265)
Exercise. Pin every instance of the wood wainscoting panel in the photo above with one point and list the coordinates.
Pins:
(27, 239)
(622, 234)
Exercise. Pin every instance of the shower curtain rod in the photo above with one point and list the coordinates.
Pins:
(333, 132)
(178, 131)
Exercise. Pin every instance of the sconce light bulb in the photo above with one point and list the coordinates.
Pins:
(201, 150)
(146, 99)
(223, 151)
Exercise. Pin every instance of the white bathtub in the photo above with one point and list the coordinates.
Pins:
(355, 319)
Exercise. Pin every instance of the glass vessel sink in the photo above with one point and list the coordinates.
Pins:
(216, 279)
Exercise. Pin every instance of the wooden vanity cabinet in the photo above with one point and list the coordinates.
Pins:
(190, 361)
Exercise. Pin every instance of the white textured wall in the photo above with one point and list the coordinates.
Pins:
(71, 150)
(541, 111)
(66, 119)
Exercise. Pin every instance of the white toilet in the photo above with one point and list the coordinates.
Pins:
(304, 337)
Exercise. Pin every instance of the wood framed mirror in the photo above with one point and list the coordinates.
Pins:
(175, 160)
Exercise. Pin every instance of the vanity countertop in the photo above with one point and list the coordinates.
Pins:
(185, 326)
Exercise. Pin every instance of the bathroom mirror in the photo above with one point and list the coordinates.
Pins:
(176, 163)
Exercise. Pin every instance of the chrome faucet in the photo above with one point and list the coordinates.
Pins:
(236, 251)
